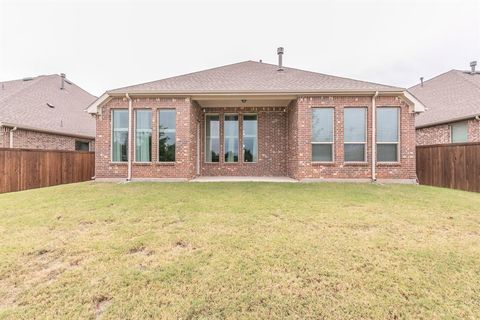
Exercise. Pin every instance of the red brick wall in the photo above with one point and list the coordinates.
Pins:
(305, 168)
(183, 166)
(196, 117)
(440, 134)
(26, 139)
(4, 137)
(292, 139)
(473, 130)
(271, 135)
(284, 136)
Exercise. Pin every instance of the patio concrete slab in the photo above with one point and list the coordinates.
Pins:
(243, 179)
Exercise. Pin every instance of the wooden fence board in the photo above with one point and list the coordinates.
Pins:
(22, 169)
(455, 166)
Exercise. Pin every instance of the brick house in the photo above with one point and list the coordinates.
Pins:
(45, 112)
(452, 102)
(256, 119)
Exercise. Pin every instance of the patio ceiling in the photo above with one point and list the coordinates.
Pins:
(244, 102)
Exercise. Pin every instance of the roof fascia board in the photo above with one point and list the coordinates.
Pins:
(202, 95)
(432, 124)
(29, 128)
(253, 93)
(416, 105)
(93, 107)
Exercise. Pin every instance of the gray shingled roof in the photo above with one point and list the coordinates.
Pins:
(451, 96)
(251, 76)
(24, 103)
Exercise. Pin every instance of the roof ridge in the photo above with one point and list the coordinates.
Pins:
(180, 75)
(437, 76)
(465, 79)
(77, 86)
(32, 82)
(329, 75)
(23, 79)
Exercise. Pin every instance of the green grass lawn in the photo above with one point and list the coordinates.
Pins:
(239, 250)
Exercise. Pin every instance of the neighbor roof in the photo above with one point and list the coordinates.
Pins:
(252, 76)
(452, 96)
(39, 104)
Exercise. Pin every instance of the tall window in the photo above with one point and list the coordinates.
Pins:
(354, 134)
(458, 132)
(322, 134)
(120, 135)
(166, 135)
(143, 135)
(387, 134)
(212, 138)
(230, 137)
(250, 139)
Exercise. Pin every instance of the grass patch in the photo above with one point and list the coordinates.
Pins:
(239, 250)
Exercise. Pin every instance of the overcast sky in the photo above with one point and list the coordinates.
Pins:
(105, 45)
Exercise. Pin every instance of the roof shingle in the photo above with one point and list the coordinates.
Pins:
(24, 102)
(451, 96)
(251, 76)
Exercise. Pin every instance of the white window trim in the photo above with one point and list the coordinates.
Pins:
(135, 135)
(111, 138)
(330, 143)
(205, 138)
(365, 143)
(167, 131)
(243, 136)
(398, 135)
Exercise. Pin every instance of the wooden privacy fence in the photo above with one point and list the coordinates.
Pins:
(22, 169)
(454, 166)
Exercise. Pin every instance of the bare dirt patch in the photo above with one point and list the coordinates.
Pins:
(100, 303)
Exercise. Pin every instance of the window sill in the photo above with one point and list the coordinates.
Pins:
(119, 163)
(166, 163)
(142, 163)
(319, 163)
(356, 164)
(388, 164)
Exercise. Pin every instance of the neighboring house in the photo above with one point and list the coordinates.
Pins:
(256, 119)
(45, 112)
(452, 102)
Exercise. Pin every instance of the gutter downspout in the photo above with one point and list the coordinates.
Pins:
(11, 136)
(130, 111)
(374, 137)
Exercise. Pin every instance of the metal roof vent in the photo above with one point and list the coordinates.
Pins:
(473, 64)
(62, 75)
(280, 54)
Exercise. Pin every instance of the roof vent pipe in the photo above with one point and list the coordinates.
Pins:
(421, 81)
(473, 64)
(280, 54)
(62, 75)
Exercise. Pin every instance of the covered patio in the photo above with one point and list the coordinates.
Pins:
(242, 135)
